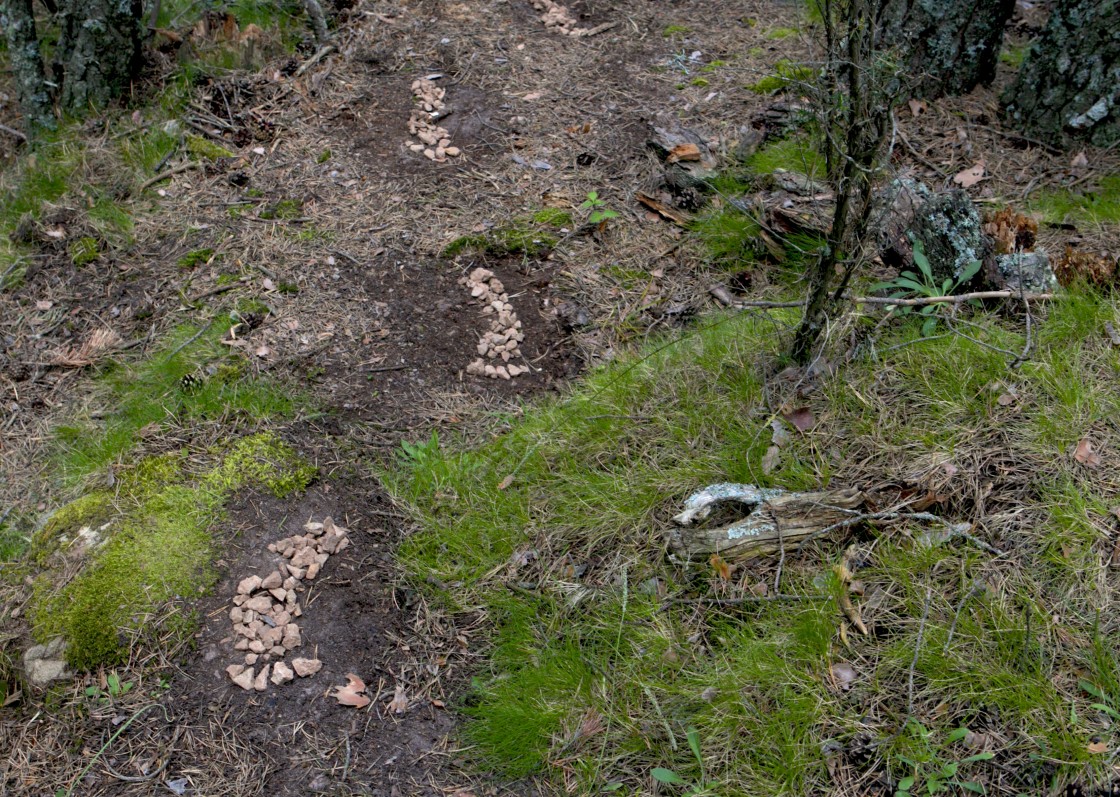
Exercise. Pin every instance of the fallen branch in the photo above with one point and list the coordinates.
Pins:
(182, 167)
(955, 299)
(13, 132)
(320, 54)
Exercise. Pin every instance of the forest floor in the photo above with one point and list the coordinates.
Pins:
(301, 281)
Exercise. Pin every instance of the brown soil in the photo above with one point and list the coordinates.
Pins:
(380, 331)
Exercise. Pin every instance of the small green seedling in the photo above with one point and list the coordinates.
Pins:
(114, 689)
(908, 284)
(938, 776)
(420, 453)
(1106, 704)
(671, 778)
(600, 214)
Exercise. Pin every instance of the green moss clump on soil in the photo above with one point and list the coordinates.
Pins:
(198, 257)
(85, 250)
(158, 547)
(200, 147)
(525, 235)
(1099, 206)
(786, 74)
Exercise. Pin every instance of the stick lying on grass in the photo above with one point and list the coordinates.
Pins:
(777, 520)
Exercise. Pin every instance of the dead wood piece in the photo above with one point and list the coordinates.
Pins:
(663, 210)
(777, 519)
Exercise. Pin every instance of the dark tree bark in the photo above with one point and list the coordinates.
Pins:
(98, 50)
(948, 46)
(27, 66)
(1069, 87)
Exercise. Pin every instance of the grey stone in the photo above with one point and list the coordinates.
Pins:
(1027, 271)
(46, 663)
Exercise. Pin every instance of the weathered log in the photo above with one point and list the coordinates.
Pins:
(776, 518)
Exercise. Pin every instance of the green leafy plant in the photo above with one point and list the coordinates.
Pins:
(114, 689)
(937, 776)
(1106, 704)
(419, 454)
(923, 284)
(599, 212)
(671, 778)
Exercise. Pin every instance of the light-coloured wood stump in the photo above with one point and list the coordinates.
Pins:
(774, 518)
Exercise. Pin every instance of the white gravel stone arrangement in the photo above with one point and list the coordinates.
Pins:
(558, 18)
(264, 609)
(435, 141)
(502, 343)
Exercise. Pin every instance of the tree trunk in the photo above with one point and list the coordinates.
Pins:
(950, 46)
(98, 50)
(27, 66)
(1069, 87)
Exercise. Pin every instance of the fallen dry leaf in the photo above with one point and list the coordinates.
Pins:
(721, 567)
(771, 459)
(350, 695)
(44, 304)
(1079, 161)
(1097, 747)
(801, 418)
(966, 178)
(263, 351)
(917, 107)
(843, 674)
(1083, 452)
(506, 482)
(1113, 335)
(780, 436)
(399, 703)
(268, 284)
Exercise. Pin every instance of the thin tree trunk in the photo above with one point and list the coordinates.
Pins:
(98, 50)
(27, 66)
(1069, 87)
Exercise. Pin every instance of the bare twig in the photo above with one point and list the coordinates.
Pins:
(319, 55)
(976, 589)
(914, 661)
(13, 132)
(959, 298)
(182, 167)
(191, 339)
(747, 599)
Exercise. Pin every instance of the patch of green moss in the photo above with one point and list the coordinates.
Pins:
(159, 547)
(794, 153)
(1013, 55)
(712, 66)
(524, 236)
(228, 279)
(324, 156)
(786, 74)
(554, 217)
(780, 33)
(200, 147)
(85, 250)
(92, 509)
(261, 459)
(674, 30)
(198, 257)
(284, 209)
(699, 81)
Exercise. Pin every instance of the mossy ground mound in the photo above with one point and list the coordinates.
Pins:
(145, 544)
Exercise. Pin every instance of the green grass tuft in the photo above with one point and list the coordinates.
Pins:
(796, 153)
(786, 75)
(150, 392)
(1101, 206)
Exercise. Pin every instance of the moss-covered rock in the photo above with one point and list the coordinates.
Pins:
(157, 547)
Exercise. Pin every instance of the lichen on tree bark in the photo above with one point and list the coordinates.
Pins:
(949, 46)
(27, 67)
(1069, 87)
(98, 50)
